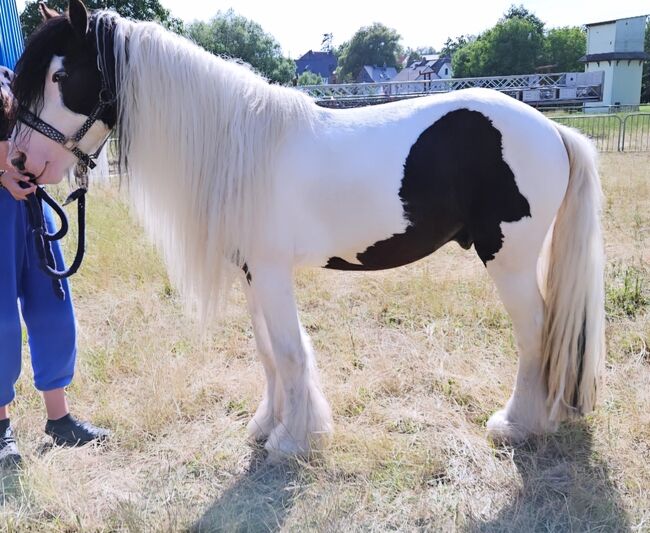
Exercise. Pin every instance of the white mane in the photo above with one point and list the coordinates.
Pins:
(199, 135)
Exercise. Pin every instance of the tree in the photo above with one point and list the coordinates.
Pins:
(513, 46)
(231, 35)
(309, 78)
(371, 45)
(31, 18)
(452, 46)
(645, 80)
(563, 47)
(520, 12)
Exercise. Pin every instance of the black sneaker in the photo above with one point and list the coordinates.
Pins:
(68, 431)
(9, 455)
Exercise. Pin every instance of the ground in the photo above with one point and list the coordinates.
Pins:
(414, 362)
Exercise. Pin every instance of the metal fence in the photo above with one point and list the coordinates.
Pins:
(535, 89)
(613, 133)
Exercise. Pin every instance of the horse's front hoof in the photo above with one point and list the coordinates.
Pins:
(501, 430)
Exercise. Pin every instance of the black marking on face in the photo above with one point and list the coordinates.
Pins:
(456, 187)
(82, 82)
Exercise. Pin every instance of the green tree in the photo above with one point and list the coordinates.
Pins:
(513, 46)
(309, 78)
(452, 46)
(371, 45)
(31, 17)
(645, 80)
(563, 47)
(520, 12)
(231, 35)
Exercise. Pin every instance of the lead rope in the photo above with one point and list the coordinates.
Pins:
(43, 240)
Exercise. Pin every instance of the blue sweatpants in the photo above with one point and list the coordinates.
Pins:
(50, 321)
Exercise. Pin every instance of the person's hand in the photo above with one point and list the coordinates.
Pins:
(10, 180)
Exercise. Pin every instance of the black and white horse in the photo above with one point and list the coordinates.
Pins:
(232, 175)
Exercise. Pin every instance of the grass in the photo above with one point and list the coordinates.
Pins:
(414, 362)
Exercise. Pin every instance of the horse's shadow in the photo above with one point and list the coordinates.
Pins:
(565, 487)
(259, 500)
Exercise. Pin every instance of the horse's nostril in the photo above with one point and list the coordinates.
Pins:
(18, 161)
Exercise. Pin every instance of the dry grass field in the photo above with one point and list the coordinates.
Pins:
(413, 360)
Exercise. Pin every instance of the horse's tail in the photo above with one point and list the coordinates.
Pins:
(573, 343)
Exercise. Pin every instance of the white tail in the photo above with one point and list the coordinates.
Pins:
(573, 343)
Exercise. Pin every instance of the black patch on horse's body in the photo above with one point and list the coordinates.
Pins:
(456, 187)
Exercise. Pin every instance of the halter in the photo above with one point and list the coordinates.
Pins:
(106, 99)
(35, 200)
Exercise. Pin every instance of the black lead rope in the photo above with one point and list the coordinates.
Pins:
(43, 240)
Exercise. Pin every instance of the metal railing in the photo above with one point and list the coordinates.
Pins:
(604, 130)
(531, 88)
(613, 133)
(636, 133)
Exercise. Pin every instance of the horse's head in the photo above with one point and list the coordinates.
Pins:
(61, 90)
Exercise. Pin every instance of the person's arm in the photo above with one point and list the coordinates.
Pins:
(10, 179)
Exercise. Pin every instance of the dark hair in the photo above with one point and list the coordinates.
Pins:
(50, 39)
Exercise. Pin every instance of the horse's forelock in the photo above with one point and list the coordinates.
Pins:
(51, 38)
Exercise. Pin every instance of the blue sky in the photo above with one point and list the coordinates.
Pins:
(298, 26)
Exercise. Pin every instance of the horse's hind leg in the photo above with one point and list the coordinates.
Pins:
(514, 271)
(305, 420)
(269, 410)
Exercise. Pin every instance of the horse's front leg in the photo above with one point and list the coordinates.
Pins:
(305, 421)
(270, 408)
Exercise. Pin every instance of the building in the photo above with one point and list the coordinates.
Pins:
(322, 63)
(430, 68)
(11, 38)
(375, 74)
(616, 48)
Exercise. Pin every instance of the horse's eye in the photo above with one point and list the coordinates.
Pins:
(59, 75)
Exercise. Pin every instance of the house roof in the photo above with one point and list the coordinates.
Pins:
(322, 63)
(417, 69)
(613, 56)
(379, 74)
(592, 24)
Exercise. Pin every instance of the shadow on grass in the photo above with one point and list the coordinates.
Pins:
(259, 500)
(565, 487)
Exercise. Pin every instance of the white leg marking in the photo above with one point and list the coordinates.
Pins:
(305, 420)
(515, 275)
(268, 412)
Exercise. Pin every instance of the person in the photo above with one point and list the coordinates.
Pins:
(49, 318)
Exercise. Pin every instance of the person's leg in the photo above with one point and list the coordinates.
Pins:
(12, 247)
(50, 322)
(52, 339)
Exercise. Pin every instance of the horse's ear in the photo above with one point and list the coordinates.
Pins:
(78, 17)
(46, 12)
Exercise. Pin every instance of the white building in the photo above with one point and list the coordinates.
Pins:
(616, 48)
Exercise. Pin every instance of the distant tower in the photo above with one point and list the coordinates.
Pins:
(616, 48)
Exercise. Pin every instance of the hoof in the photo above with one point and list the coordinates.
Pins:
(282, 446)
(501, 430)
(260, 428)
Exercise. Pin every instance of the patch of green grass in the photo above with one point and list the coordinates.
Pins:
(626, 292)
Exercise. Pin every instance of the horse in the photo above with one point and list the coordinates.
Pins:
(236, 178)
